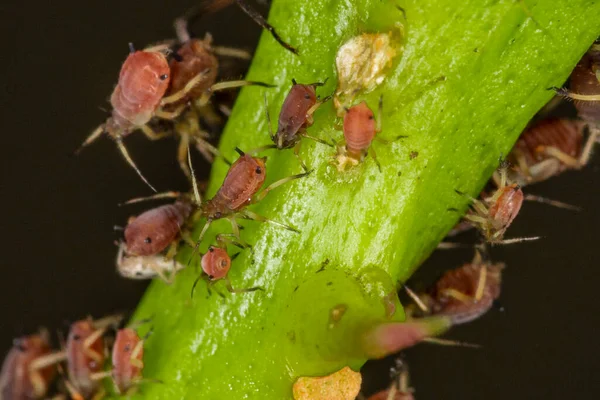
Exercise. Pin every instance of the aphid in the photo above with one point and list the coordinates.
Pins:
(239, 190)
(139, 97)
(147, 267)
(215, 265)
(209, 6)
(23, 376)
(295, 117)
(585, 88)
(465, 293)
(547, 149)
(153, 231)
(493, 215)
(399, 388)
(127, 362)
(359, 130)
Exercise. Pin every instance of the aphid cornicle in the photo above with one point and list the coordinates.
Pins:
(295, 117)
(139, 97)
(215, 265)
(147, 267)
(21, 378)
(154, 230)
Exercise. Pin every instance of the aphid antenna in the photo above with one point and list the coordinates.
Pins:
(90, 139)
(125, 154)
(202, 233)
(197, 196)
(554, 203)
(516, 240)
(131, 47)
(452, 245)
(158, 196)
(448, 342)
(416, 299)
(247, 214)
(271, 134)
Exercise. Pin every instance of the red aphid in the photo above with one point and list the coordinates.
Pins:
(216, 263)
(85, 356)
(504, 209)
(19, 380)
(360, 129)
(143, 81)
(127, 360)
(295, 115)
(154, 230)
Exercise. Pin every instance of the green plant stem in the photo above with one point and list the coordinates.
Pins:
(472, 74)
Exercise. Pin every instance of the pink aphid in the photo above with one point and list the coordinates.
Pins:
(360, 129)
(127, 360)
(216, 263)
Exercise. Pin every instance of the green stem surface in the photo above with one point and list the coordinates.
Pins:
(470, 76)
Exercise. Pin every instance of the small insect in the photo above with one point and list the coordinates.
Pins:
(295, 117)
(215, 265)
(547, 149)
(209, 6)
(239, 189)
(127, 362)
(360, 129)
(147, 267)
(23, 376)
(585, 88)
(493, 215)
(154, 230)
(465, 293)
(399, 388)
(139, 97)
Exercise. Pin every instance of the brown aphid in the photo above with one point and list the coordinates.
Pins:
(493, 215)
(139, 97)
(215, 265)
(127, 360)
(21, 378)
(154, 230)
(548, 148)
(240, 189)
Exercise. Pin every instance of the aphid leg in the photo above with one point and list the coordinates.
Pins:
(169, 115)
(127, 157)
(559, 155)
(163, 195)
(89, 341)
(197, 196)
(448, 342)
(231, 289)
(251, 215)
(584, 158)
(230, 238)
(182, 150)
(74, 393)
(90, 139)
(418, 301)
(481, 283)
(566, 93)
(202, 233)
(374, 156)
(203, 100)
(151, 135)
(516, 240)
(181, 94)
(260, 20)
(232, 52)
(297, 154)
(316, 139)
(208, 151)
(276, 184)
(379, 114)
(100, 394)
(133, 359)
(522, 163)
(98, 376)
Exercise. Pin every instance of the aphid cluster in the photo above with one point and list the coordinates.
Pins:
(31, 366)
(169, 85)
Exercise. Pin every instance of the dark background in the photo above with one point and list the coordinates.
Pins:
(59, 64)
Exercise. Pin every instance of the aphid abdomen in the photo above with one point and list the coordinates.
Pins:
(584, 81)
(506, 207)
(195, 57)
(563, 134)
(465, 280)
(80, 365)
(15, 378)
(152, 231)
(293, 114)
(124, 371)
(143, 81)
(245, 177)
(359, 129)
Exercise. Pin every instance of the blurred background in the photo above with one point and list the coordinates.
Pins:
(60, 63)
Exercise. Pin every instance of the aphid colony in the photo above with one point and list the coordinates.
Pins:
(170, 85)
(31, 366)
